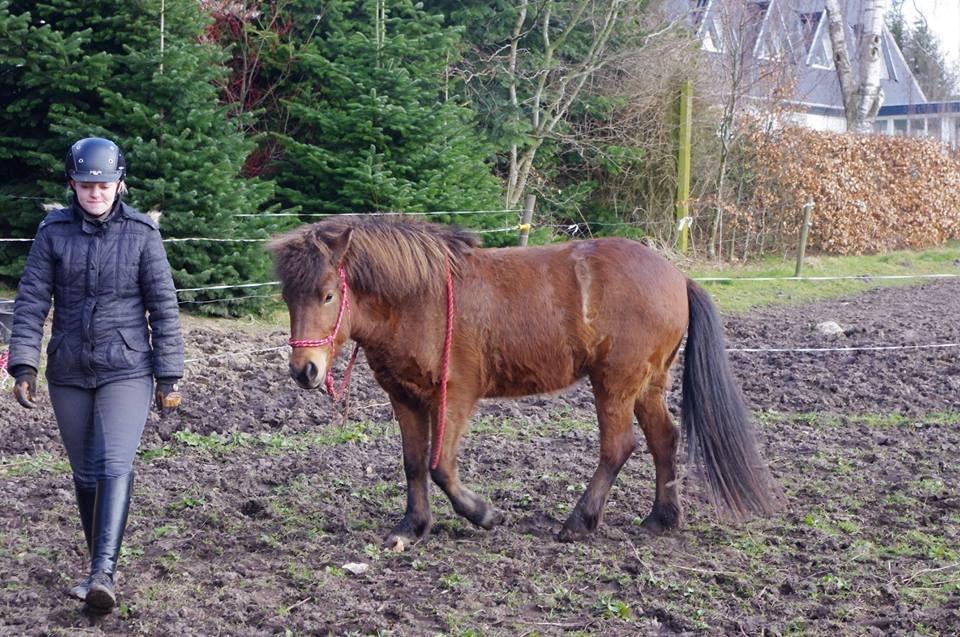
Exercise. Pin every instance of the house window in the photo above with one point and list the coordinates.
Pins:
(698, 10)
(900, 127)
(891, 70)
(771, 41)
(711, 35)
(887, 70)
(821, 50)
(805, 29)
(934, 128)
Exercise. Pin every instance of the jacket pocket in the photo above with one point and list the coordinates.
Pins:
(134, 339)
(130, 351)
(60, 359)
(54, 344)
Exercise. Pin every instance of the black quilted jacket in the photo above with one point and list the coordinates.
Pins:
(115, 308)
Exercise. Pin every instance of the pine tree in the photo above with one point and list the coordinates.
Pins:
(897, 23)
(154, 93)
(924, 54)
(367, 125)
(40, 68)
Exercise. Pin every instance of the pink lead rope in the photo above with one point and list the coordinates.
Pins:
(444, 372)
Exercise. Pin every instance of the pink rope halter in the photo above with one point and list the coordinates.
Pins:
(344, 306)
(295, 343)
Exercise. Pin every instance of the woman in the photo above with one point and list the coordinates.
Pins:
(116, 327)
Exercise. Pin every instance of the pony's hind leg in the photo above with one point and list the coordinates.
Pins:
(415, 433)
(617, 442)
(662, 439)
(447, 475)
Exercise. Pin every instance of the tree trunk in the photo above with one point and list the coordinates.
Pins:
(862, 95)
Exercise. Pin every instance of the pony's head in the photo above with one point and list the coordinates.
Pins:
(400, 262)
(309, 264)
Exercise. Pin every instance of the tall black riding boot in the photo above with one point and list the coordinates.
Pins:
(109, 523)
(86, 498)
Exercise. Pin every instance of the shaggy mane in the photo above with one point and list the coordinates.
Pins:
(393, 257)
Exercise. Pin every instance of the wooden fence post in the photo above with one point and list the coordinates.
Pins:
(526, 218)
(683, 166)
(804, 231)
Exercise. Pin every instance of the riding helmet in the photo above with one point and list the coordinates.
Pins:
(95, 159)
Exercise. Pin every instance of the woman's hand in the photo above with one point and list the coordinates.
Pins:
(167, 396)
(25, 388)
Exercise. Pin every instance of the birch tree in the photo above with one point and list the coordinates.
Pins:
(860, 87)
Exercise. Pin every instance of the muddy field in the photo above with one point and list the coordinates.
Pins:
(259, 510)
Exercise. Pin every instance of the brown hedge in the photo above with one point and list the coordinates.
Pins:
(871, 193)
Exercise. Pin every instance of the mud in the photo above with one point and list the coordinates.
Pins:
(260, 510)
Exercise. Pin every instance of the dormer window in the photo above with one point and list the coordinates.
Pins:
(891, 68)
(806, 29)
(698, 10)
(821, 49)
(711, 34)
(887, 70)
(771, 44)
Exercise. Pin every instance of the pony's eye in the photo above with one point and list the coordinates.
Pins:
(328, 297)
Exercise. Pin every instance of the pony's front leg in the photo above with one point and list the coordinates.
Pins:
(415, 434)
(447, 475)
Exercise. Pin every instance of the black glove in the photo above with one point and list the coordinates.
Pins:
(25, 386)
(167, 396)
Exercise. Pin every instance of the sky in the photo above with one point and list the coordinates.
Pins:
(944, 19)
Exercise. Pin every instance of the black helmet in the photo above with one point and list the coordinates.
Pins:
(95, 159)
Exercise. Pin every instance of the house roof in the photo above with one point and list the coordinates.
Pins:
(776, 38)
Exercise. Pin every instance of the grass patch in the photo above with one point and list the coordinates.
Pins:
(741, 296)
(216, 443)
(873, 421)
(34, 465)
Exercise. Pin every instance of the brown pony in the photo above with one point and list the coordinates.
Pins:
(524, 321)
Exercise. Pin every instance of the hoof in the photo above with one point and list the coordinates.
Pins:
(490, 519)
(406, 534)
(662, 520)
(574, 530)
(578, 526)
(397, 544)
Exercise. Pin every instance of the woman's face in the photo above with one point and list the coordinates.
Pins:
(96, 197)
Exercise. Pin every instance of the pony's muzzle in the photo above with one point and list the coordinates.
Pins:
(309, 376)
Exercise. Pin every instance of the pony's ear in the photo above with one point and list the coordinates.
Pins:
(339, 246)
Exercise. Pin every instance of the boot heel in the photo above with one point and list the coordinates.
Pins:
(80, 590)
(101, 597)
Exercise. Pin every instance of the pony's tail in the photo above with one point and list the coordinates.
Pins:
(720, 438)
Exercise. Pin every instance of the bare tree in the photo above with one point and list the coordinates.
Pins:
(573, 46)
(862, 94)
(749, 61)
